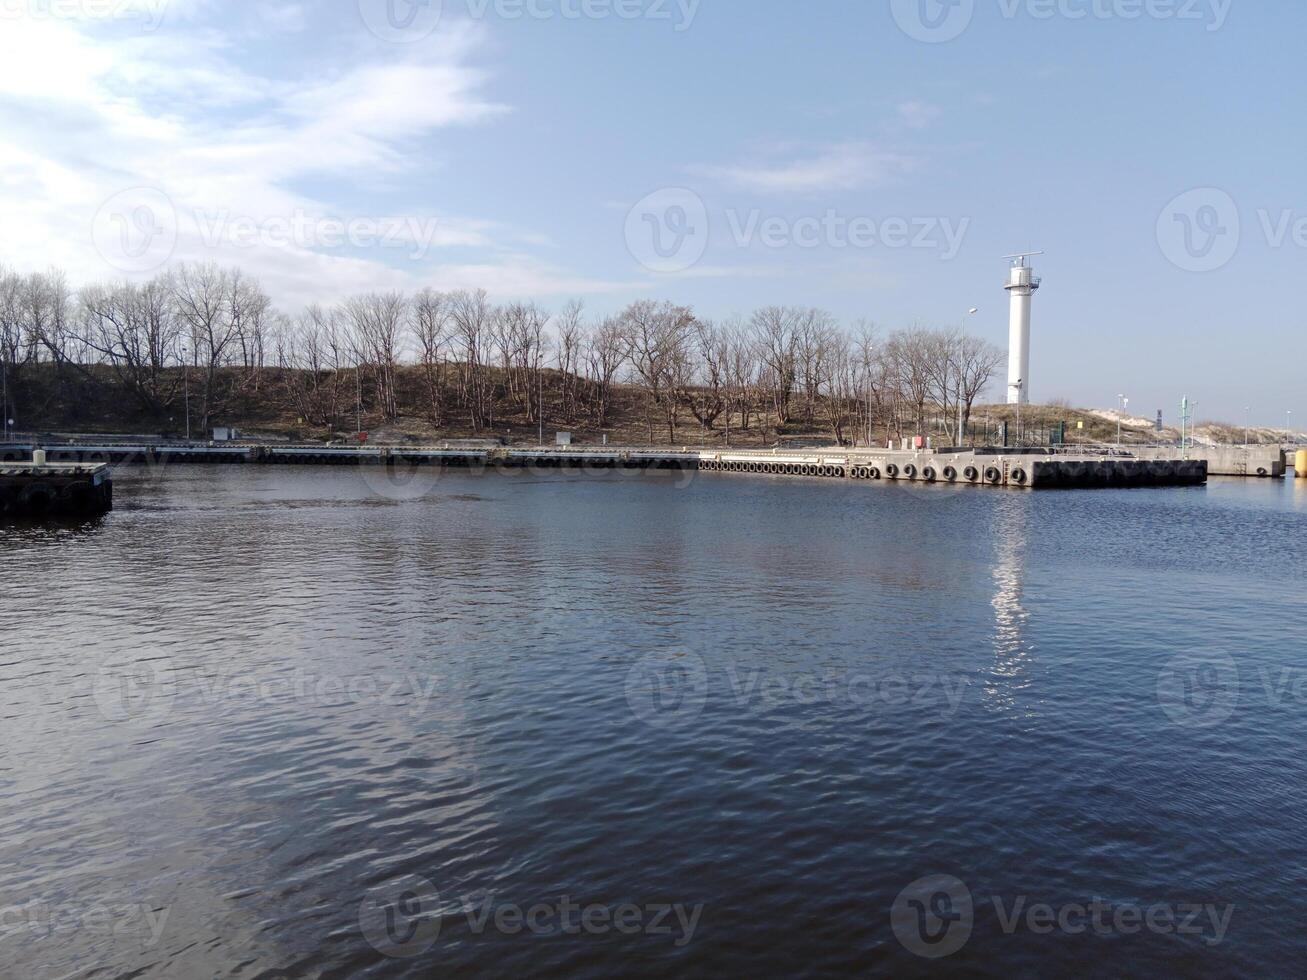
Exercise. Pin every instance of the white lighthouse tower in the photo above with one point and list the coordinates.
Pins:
(1021, 286)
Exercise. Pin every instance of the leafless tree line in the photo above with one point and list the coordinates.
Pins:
(457, 359)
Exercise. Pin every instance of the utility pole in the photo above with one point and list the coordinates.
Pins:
(4, 391)
(540, 406)
(1185, 427)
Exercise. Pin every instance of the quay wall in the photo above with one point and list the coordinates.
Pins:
(1265, 462)
(988, 468)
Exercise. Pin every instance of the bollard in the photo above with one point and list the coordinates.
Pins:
(1300, 464)
(38, 457)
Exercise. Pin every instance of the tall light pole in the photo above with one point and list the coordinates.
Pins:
(1124, 402)
(1288, 426)
(1247, 426)
(4, 391)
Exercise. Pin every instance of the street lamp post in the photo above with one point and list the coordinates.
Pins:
(1124, 402)
(1247, 426)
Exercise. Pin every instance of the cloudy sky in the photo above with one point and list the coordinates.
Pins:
(874, 157)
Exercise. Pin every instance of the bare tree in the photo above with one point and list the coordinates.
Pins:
(655, 335)
(471, 315)
(201, 295)
(571, 336)
(605, 353)
(908, 356)
(378, 320)
(315, 356)
(250, 310)
(975, 363)
(774, 329)
(431, 328)
(135, 328)
(699, 373)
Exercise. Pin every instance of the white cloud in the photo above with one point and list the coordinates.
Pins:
(90, 113)
(843, 166)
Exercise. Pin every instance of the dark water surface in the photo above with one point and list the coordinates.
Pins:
(264, 722)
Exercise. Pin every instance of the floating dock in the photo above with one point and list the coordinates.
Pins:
(38, 489)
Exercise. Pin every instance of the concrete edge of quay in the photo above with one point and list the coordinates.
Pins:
(982, 467)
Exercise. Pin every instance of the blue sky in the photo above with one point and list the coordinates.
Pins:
(875, 158)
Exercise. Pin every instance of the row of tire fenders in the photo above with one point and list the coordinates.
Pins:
(888, 471)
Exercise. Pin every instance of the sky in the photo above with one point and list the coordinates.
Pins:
(874, 158)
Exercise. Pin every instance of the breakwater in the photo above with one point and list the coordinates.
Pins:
(995, 468)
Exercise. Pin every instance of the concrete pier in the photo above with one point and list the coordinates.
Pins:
(1017, 469)
(981, 468)
(39, 489)
(1265, 462)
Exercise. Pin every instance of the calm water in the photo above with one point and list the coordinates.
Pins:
(264, 722)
